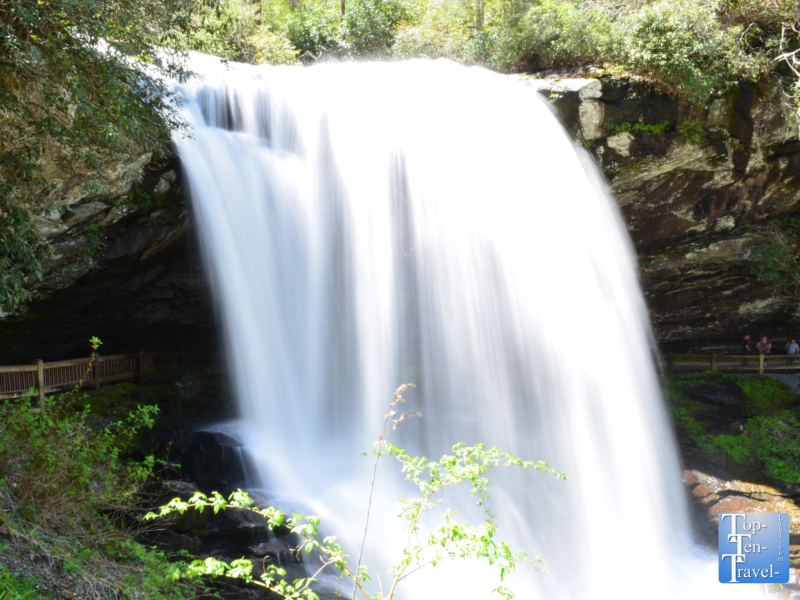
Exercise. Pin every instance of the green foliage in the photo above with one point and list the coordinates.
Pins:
(636, 166)
(675, 44)
(774, 261)
(369, 26)
(691, 130)
(684, 419)
(443, 31)
(765, 394)
(95, 244)
(71, 101)
(628, 127)
(693, 48)
(772, 442)
(554, 33)
(467, 466)
(770, 439)
(64, 486)
(58, 465)
(284, 31)
(17, 588)
(233, 30)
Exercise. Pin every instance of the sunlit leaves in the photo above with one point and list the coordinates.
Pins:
(452, 539)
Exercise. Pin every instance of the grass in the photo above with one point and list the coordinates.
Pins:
(17, 588)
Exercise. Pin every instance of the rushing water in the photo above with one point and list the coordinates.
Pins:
(367, 225)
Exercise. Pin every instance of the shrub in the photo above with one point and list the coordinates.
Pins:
(678, 45)
(234, 30)
(370, 25)
(555, 32)
(65, 489)
(443, 32)
(54, 463)
(774, 260)
(272, 49)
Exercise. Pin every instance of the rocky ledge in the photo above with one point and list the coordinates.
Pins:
(126, 268)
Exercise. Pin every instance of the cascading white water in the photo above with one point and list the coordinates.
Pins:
(367, 225)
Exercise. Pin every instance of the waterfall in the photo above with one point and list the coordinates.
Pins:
(371, 224)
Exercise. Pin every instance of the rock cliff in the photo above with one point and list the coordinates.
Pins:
(710, 197)
(126, 268)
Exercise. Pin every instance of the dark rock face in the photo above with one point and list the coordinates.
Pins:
(216, 462)
(696, 188)
(126, 269)
(723, 394)
(235, 527)
(170, 542)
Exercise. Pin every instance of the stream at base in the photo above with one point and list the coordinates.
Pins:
(371, 224)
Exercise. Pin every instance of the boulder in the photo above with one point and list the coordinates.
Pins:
(236, 529)
(277, 552)
(723, 394)
(216, 462)
(170, 542)
(711, 496)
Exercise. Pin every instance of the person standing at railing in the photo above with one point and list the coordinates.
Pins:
(764, 347)
(746, 348)
(792, 350)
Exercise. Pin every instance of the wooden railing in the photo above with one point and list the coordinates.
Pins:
(16, 381)
(46, 377)
(730, 362)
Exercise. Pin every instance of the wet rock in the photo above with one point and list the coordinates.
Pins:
(735, 504)
(723, 394)
(704, 494)
(170, 542)
(713, 496)
(180, 489)
(236, 528)
(192, 521)
(277, 551)
(216, 462)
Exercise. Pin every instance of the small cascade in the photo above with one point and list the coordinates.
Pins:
(371, 224)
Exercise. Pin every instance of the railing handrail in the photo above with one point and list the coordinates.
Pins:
(46, 377)
(747, 362)
(17, 368)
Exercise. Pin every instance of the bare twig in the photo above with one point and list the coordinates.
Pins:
(398, 398)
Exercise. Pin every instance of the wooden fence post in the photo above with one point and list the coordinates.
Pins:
(39, 379)
(97, 360)
(669, 363)
(713, 362)
(760, 364)
(141, 367)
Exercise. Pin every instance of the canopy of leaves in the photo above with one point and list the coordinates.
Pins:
(694, 48)
(72, 97)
